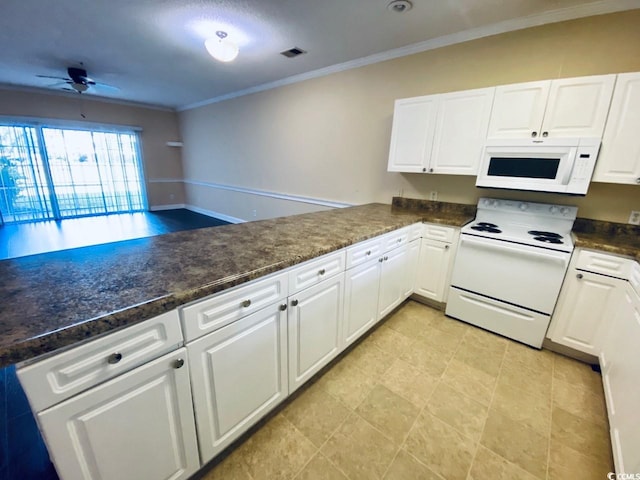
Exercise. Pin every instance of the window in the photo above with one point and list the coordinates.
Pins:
(48, 172)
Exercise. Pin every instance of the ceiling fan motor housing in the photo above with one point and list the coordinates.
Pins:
(79, 76)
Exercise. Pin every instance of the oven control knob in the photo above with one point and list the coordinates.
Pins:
(553, 210)
(564, 210)
(523, 206)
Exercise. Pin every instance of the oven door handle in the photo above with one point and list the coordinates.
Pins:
(515, 249)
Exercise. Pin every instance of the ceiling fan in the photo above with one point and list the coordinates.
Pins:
(78, 81)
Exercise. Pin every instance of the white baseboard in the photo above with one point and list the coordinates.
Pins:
(211, 213)
(175, 206)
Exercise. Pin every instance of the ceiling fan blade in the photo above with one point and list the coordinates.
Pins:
(57, 84)
(55, 78)
(105, 87)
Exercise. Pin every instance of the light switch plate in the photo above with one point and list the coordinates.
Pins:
(634, 218)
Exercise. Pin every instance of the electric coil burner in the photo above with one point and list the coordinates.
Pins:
(509, 267)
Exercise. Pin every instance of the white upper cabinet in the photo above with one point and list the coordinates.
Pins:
(619, 159)
(568, 107)
(440, 133)
(414, 121)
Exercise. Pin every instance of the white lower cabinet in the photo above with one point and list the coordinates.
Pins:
(392, 280)
(314, 328)
(435, 265)
(411, 267)
(239, 373)
(588, 300)
(621, 378)
(138, 426)
(361, 288)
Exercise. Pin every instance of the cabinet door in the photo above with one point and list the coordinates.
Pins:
(392, 280)
(461, 131)
(138, 426)
(619, 159)
(315, 329)
(621, 384)
(578, 107)
(361, 299)
(518, 110)
(586, 305)
(434, 264)
(412, 134)
(239, 374)
(411, 267)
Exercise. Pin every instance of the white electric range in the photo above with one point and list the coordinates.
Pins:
(509, 267)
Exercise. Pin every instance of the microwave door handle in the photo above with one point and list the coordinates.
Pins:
(572, 155)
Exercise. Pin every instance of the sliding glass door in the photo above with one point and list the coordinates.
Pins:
(55, 173)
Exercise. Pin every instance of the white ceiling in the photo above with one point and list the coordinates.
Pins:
(153, 50)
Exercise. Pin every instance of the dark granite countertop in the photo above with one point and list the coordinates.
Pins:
(617, 238)
(57, 299)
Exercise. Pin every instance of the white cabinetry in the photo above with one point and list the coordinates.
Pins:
(108, 406)
(621, 379)
(440, 133)
(362, 284)
(436, 260)
(138, 426)
(568, 107)
(392, 280)
(239, 373)
(619, 159)
(314, 328)
(588, 300)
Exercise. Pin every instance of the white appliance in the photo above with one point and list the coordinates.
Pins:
(509, 267)
(562, 165)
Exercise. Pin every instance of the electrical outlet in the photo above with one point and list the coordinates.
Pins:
(433, 195)
(634, 218)
(172, 196)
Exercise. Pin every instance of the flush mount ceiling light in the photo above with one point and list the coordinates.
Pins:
(221, 48)
(400, 6)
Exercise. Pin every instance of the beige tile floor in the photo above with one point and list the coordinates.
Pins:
(428, 397)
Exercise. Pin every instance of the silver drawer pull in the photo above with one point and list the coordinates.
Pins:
(368, 252)
(381, 259)
(579, 276)
(294, 303)
(386, 258)
(178, 363)
(399, 240)
(114, 358)
(322, 271)
(446, 247)
(246, 303)
(283, 307)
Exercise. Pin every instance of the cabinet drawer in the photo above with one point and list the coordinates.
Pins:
(314, 271)
(395, 239)
(604, 264)
(415, 231)
(224, 308)
(438, 232)
(57, 378)
(361, 252)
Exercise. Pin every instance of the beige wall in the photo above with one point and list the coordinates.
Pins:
(158, 127)
(329, 137)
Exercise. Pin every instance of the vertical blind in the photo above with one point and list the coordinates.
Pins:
(53, 173)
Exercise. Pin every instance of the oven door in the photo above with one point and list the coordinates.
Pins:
(521, 275)
(537, 168)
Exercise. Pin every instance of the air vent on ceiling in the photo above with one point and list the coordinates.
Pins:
(293, 52)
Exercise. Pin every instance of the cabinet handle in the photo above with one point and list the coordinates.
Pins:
(399, 240)
(283, 307)
(446, 247)
(178, 363)
(321, 271)
(431, 170)
(386, 258)
(579, 276)
(534, 134)
(545, 134)
(424, 169)
(381, 259)
(368, 252)
(114, 358)
(638, 180)
(246, 303)
(294, 303)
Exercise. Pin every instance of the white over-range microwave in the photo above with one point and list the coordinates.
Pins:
(562, 165)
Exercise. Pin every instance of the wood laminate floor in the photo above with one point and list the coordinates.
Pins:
(20, 239)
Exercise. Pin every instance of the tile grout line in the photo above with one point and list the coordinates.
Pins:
(553, 381)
